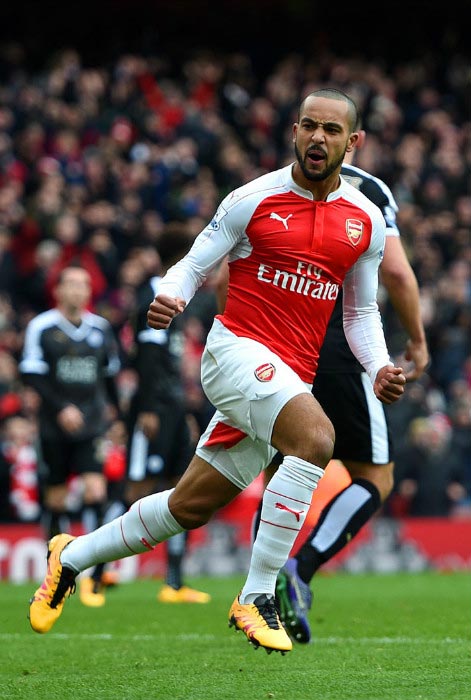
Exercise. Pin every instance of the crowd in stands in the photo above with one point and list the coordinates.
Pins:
(96, 162)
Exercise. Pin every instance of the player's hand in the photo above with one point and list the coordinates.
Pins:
(417, 356)
(163, 310)
(70, 419)
(389, 384)
(149, 423)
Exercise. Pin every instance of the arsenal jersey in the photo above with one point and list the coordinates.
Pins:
(288, 258)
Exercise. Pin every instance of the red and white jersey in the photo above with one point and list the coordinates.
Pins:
(288, 257)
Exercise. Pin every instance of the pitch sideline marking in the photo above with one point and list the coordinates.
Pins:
(210, 637)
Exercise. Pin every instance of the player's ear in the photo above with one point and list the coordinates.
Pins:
(354, 140)
(361, 138)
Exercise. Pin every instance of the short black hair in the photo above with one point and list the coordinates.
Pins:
(335, 94)
(72, 265)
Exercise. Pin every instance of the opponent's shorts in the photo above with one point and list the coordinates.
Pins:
(248, 385)
(361, 428)
(60, 458)
(168, 455)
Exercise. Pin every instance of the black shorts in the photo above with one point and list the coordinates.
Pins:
(361, 428)
(60, 458)
(168, 455)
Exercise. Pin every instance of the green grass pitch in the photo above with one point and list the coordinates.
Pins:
(398, 636)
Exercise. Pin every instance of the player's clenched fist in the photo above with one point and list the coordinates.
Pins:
(163, 309)
(389, 384)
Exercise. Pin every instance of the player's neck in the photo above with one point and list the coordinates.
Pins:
(320, 189)
(72, 315)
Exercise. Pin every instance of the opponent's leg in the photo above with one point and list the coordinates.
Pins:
(339, 522)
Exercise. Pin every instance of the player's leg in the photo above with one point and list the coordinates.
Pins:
(293, 596)
(288, 494)
(151, 520)
(344, 516)
(267, 407)
(305, 436)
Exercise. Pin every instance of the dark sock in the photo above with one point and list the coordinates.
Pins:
(92, 516)
(176, 549)
(54, 523)
(97, 574)
(339, 522)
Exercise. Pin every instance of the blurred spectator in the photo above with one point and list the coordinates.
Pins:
(19, 451)
(430, 477)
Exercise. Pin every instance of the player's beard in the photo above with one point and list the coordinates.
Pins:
(317, 177)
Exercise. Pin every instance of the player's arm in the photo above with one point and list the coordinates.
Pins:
(182, 280)
(401, 284)
(35, 370)
(363, 325)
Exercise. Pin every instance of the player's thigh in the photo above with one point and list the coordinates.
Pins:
(201, 491)
(362, 432)
(303, 429)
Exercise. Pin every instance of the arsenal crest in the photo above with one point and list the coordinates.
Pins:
(354, 229)
(265, 372)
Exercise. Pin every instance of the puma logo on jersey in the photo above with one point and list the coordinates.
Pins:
(277, 217)
(297, 513)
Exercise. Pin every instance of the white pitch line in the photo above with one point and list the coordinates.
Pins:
(210, 637)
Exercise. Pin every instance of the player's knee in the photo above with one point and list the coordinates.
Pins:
(192, 513)
(94, 488)
(317, 446)
(55, 501)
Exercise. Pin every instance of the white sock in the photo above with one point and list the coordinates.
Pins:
(285, 505)
(148, 522)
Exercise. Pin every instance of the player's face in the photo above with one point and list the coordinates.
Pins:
(322, 137)
(74, 290)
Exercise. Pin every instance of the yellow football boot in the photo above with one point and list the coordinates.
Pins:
(185, 594)
(90, 593)
(260, 623)
(59, 583)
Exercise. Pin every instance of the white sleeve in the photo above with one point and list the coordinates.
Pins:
(361, 317)
(210, 247)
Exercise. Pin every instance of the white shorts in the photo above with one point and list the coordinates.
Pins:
(248, 385)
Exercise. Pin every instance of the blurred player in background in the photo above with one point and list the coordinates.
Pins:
(70, 357)
(160, 440)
